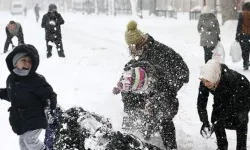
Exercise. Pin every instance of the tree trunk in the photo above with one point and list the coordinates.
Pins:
(96, 7)
(152, 7)
(228, 10)
(134, 7)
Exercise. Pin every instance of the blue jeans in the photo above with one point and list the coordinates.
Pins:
(49, 137)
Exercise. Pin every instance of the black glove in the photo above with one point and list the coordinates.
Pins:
(206, 131)
(49, 116)
(1, 93)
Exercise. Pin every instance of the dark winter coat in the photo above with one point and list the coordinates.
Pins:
(209, 29)
(27, 94)
(243, 27)
(231, 98)
(171, 68)
(52, 32)
(171, 71)
(18, 32)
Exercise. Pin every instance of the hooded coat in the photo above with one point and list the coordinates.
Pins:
(27, 94)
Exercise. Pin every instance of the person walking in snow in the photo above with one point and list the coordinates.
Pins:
(231, 91)
(36, 10)
(13, 29)
(209, 29)
(243, 34)
(52, 21)
(170, 73)
(29, 94)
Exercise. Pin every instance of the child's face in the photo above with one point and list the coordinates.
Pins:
(24, 63)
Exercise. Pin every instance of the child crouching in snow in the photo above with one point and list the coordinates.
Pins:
(28, 92)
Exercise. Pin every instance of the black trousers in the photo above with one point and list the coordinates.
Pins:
(245, 47)
(241, 132)
(208, 53)
(168, 134)
(9, 41)
(58, 43)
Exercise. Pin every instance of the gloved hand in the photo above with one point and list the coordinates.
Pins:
(237, 38)
(1, 93)
(52, 23)
(118, 89)
(218, 38)
(48, 112)
(206, 130)
(49, 116)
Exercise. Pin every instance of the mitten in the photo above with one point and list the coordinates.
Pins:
(218, 38)
(118, 89)
(1, 93)
(48, 113)
(206, 130)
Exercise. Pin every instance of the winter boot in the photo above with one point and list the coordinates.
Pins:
(61, 54)
(246, 67)
(49, 54)
(49, 50)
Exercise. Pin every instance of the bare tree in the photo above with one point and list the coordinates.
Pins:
(152, 7)
(96, 7)
(134, 7)
(228, 10)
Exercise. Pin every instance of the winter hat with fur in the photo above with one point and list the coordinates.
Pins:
(17, 57)
(211, 71)
(132, 34)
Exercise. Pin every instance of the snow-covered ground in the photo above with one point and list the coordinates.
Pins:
(95, 55)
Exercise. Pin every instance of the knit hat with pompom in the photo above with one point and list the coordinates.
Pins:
(132, 34)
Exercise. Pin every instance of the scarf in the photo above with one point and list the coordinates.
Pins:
(21, 72)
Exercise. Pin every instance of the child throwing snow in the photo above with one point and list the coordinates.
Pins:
(28, 92)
